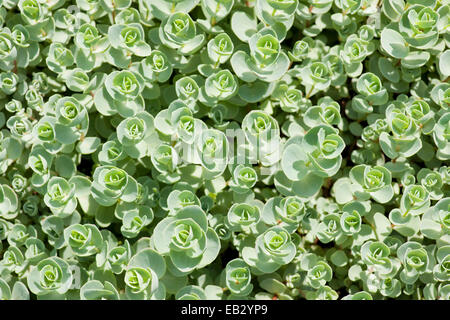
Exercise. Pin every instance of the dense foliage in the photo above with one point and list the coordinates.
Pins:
(224, 149)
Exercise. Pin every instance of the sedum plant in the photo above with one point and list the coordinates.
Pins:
(187, 240)
(225, 149)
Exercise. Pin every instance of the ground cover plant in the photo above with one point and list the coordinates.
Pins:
(224, 149)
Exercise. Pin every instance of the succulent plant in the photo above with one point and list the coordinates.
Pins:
(224, 149)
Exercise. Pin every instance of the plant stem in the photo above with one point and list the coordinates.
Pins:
(217, 62)
(15, 67)
(310, 91)
(213, 19)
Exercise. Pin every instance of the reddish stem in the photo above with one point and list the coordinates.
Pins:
(15, 67)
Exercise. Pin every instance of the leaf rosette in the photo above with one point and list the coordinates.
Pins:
(135, 134)
(84, 240)
(220, 49)
(418, 25)
(36, 250)
(179, 32)
(238, 277)
(285, 212)
(318, 152)
(87, 36)
(20, 127)
(51, 275)
(415, 200)
(31, 11)
(221, 85)
(291, 99)
(316, 77)
(9, 202)
(244, 178)
(390, 287)
(96, 290)
(111, 153)
(326, 112)
(262, 132)
(187, 90)
(212, 149)
(216, 10)
(266, 61)
(422, 114)
(376, 254)
(123, 85)
(19, 234)
(19, 183)
(135, 220)
(318, 272)
(353, 53)
(179, 199)
(414, 259)
(436, 220)
(179, 121)
(243, 217)
(441, 270)
(40, 162)
(165, 159)
(186, 240)
(351, 218)
(300, 49)
(8, 82)
(13, 260)
(129, 37)
(156, 67)
(329, 228)
(8, 50)
(191, 292)
(273, 248)
(143, 274)
(276, 11)
(432, 181)
(369, 85)
(60, 197)
(70, 113)
(441, 137)
(121, 94)
(59, 58)
(375, 182)
(46, 133)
